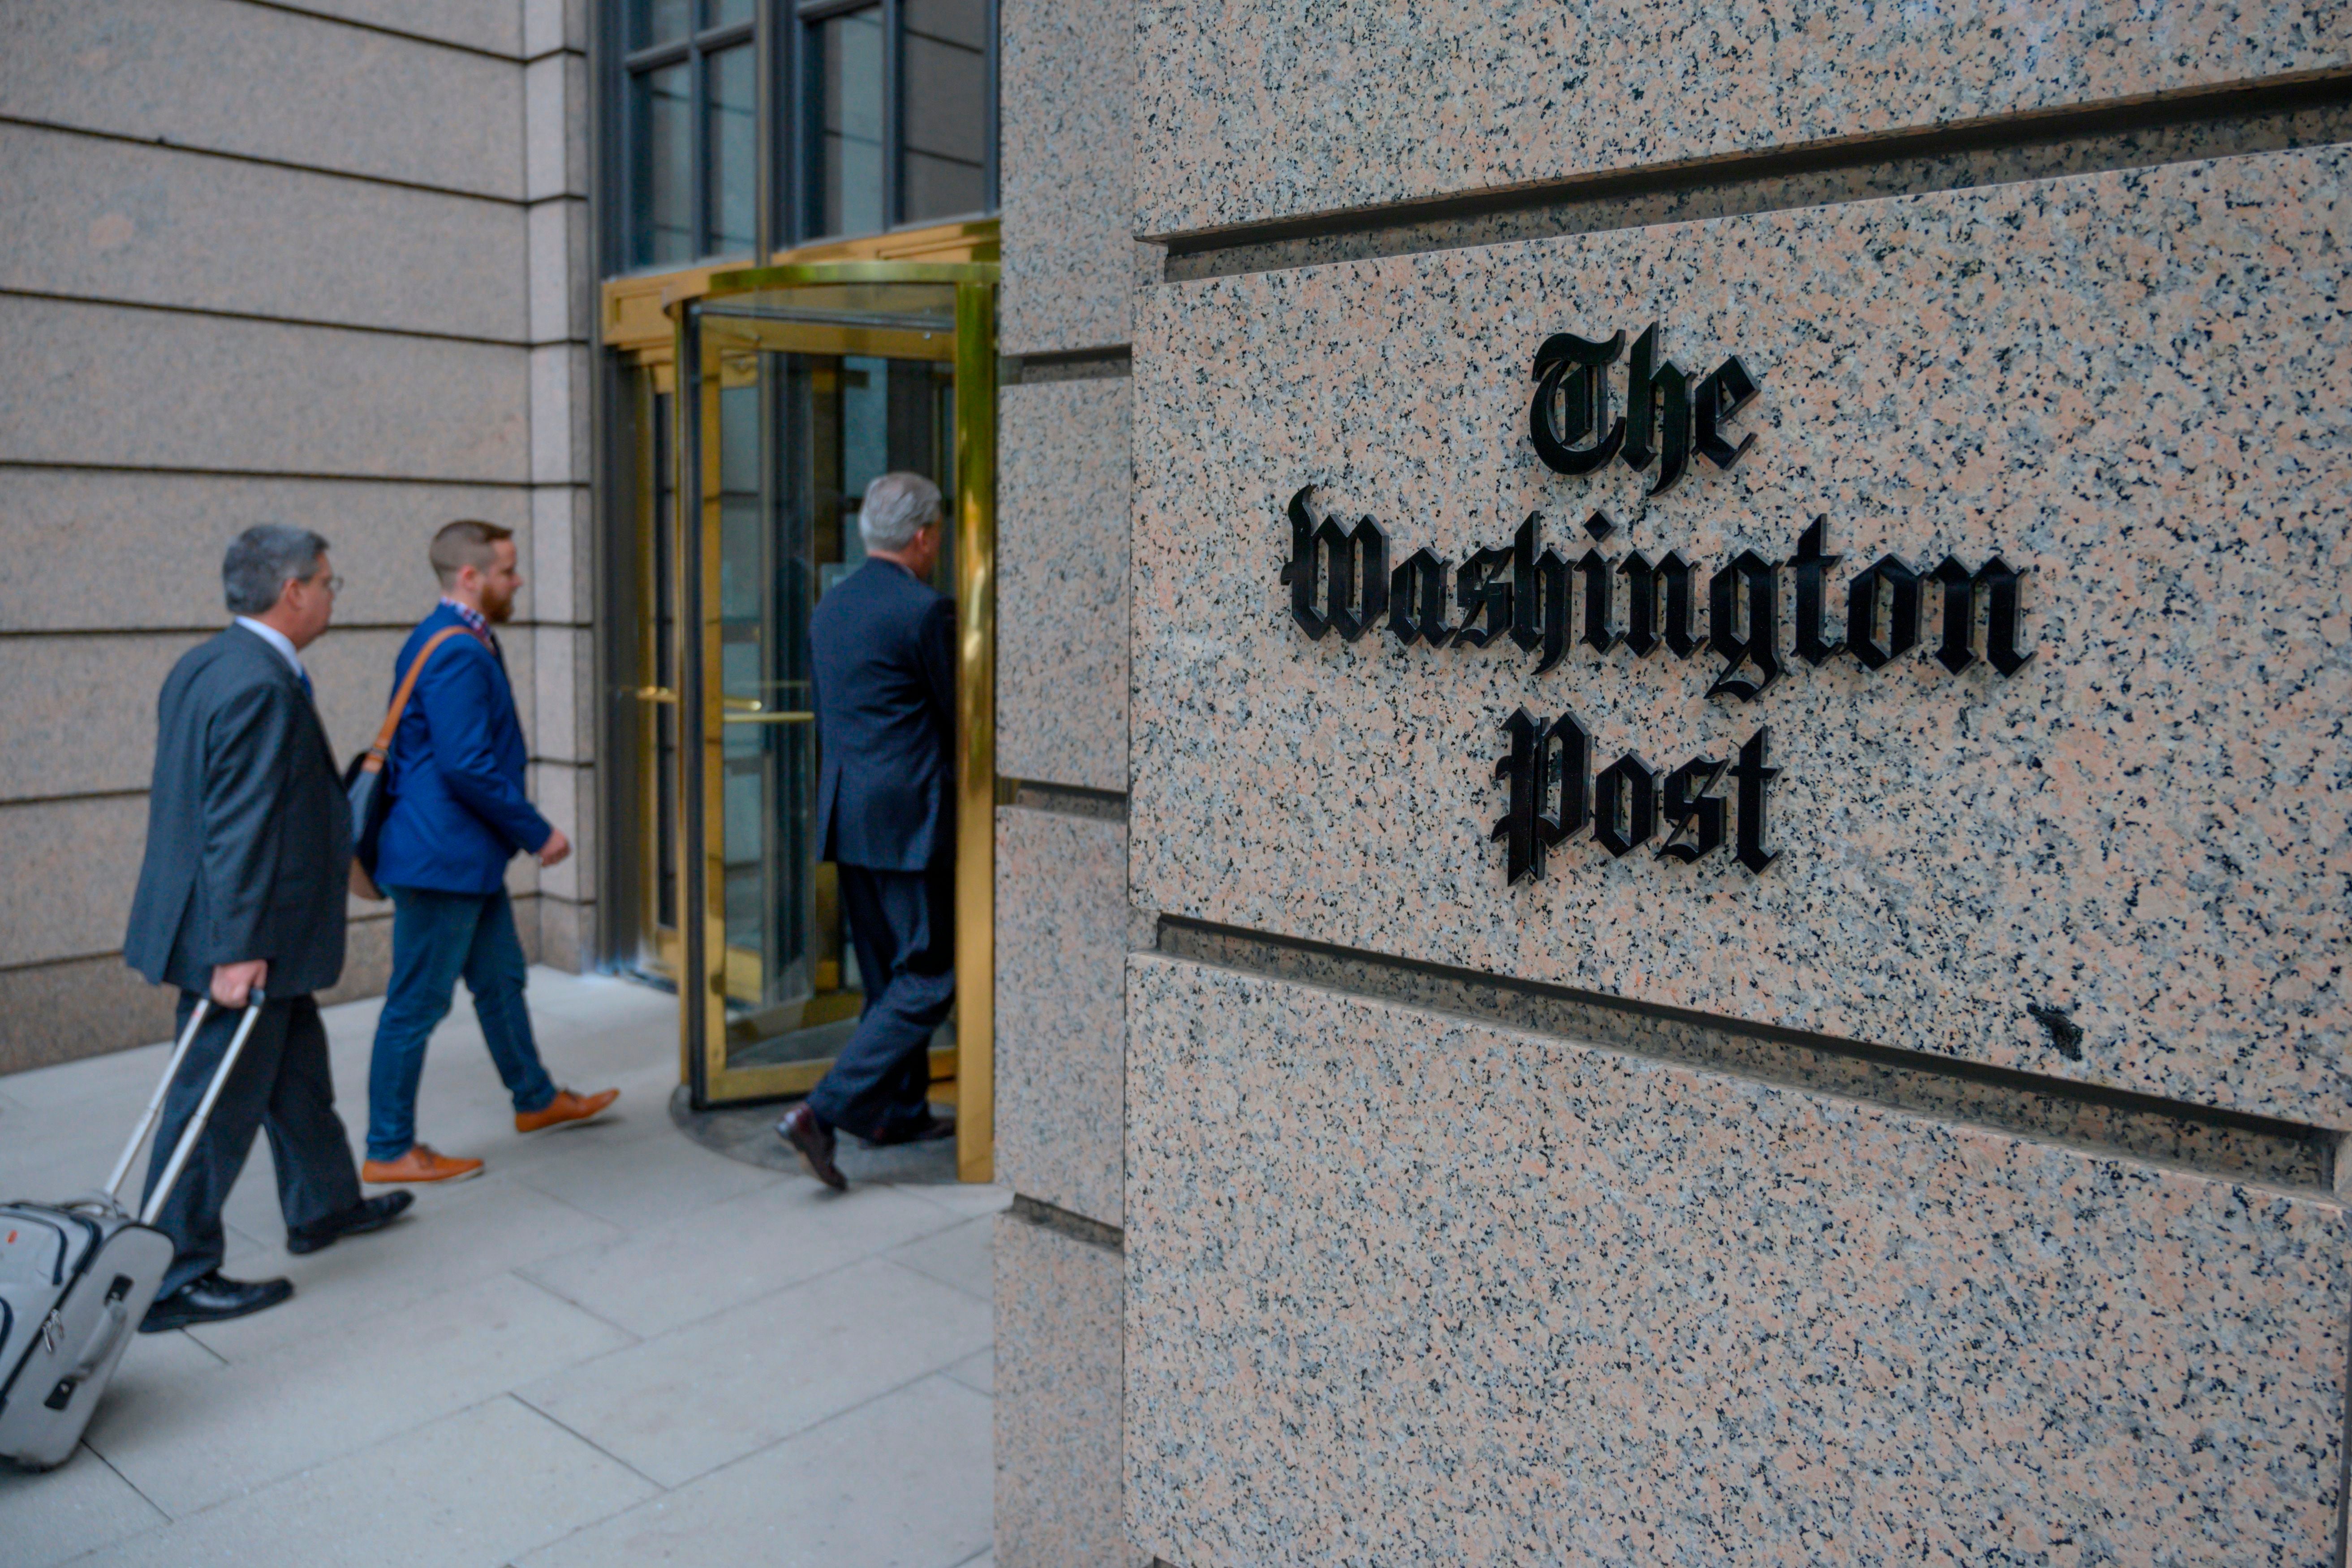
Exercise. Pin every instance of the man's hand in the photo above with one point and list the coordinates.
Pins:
(557, 846)
(232, 983)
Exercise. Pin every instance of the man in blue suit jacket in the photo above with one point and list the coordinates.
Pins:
(883, 648)
(457, 815)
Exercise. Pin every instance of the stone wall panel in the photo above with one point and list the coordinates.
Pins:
(1403, 1287)
(2128, 384)
(1065, 86)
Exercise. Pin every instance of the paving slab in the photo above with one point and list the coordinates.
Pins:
(961, 1257)
(188, 1439)
(683, 1404)
(902, 1481)
(659, 1179)
(50, 1519)
(474, 1490)
(456, 1236)
(976, 1371)
(705, 1261)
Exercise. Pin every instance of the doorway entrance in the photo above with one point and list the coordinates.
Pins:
(793, 387)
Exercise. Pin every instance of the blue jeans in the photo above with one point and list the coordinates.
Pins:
(435, 937)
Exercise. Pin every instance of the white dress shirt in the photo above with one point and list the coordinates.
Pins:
(278, 641)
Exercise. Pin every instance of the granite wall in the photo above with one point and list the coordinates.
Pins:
(1827, 1084)
(1064, 925)
(346, 291)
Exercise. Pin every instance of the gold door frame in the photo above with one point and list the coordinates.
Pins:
(702, 981)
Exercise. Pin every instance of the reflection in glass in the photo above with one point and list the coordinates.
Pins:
(661, 179)
(663, 527)
(725, 13)
(943, 164)
(658, 21)
(847, 83)
(729, 128)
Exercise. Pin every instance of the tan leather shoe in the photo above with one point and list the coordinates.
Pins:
(565, 1107)
(420, 1164)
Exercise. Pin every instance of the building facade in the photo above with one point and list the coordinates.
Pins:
(1652, 708)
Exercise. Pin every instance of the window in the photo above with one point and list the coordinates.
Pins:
(690, 130)
(896, 113)
(886, 117)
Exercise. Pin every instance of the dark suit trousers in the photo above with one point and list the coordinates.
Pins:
(903, 926)
(282, 1084)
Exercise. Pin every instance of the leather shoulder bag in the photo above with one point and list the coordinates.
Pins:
(363, 779)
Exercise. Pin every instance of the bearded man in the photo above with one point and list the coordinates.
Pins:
(458, 814)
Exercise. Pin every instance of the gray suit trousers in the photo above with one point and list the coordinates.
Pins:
(282, 1083)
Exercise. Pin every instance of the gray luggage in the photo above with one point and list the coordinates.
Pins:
(77, 1277)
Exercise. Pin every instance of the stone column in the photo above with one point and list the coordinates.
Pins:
(1064, 923)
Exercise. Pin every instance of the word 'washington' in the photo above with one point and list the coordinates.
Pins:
(1339, 580)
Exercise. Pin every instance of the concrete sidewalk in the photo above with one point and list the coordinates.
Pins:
(613, 1347)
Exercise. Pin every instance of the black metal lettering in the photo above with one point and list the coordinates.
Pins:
(1999, 585)
(1754, 778)
(1538, 596)
(1691, 809)
(1681, 604)
(1624, 806)
(1569, 373)
(1593, 568)
(1743, 624)
(1899, 620)
(1721, 396)
(1543, 764)
(1657, 413)
(1417, 600)
(1810, 567)
(1300, 570)
(1362, 556)
(1641, 603)
(1482, 586)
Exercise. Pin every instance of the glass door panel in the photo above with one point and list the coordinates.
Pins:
(794, 398)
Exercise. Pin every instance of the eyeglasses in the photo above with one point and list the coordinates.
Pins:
(333, 584)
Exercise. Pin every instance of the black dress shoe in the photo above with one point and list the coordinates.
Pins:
(805, 1130)
(367, 1215)
(928, 1128)
(213, 1298)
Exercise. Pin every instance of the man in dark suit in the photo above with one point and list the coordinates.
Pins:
(883, 664)
(241, 896)
(457, 815)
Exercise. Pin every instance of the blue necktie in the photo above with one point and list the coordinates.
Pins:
(305, 685)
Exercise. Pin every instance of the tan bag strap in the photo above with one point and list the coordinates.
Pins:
(375, 753)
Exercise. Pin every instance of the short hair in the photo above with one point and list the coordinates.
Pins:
(895, 509)
(262, 561)
(465, 542)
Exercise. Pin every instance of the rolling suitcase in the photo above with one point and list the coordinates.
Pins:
(77, 1277)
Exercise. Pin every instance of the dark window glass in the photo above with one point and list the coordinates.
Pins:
(943, 162)
(848, 85)
(661, 180)
(658, 21)
(730, 132)
(725, 13)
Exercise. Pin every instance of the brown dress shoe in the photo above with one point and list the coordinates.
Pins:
(420, 1164)
(805, 1130)
(565, 1107)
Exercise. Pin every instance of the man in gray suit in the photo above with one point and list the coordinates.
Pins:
(241, 897)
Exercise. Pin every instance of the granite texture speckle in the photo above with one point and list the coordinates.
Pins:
(1057, 1401)
(1406, 1288)
(2129, 383)
(1066, 92)
(1062, 938)
(1063, 495)
(1248, 111)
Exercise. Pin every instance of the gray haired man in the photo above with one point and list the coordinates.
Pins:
(883, 659)
(248, 855)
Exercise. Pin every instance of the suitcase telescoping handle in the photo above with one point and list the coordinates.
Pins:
(155, 1101)
(203, 1111)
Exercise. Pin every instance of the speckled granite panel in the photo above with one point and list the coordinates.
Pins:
(1063, 495)
(1066, 90)
(1407, 1289)
(1248, 111)
(1061, 1008)
(2131, 385)
(1057, 1401)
